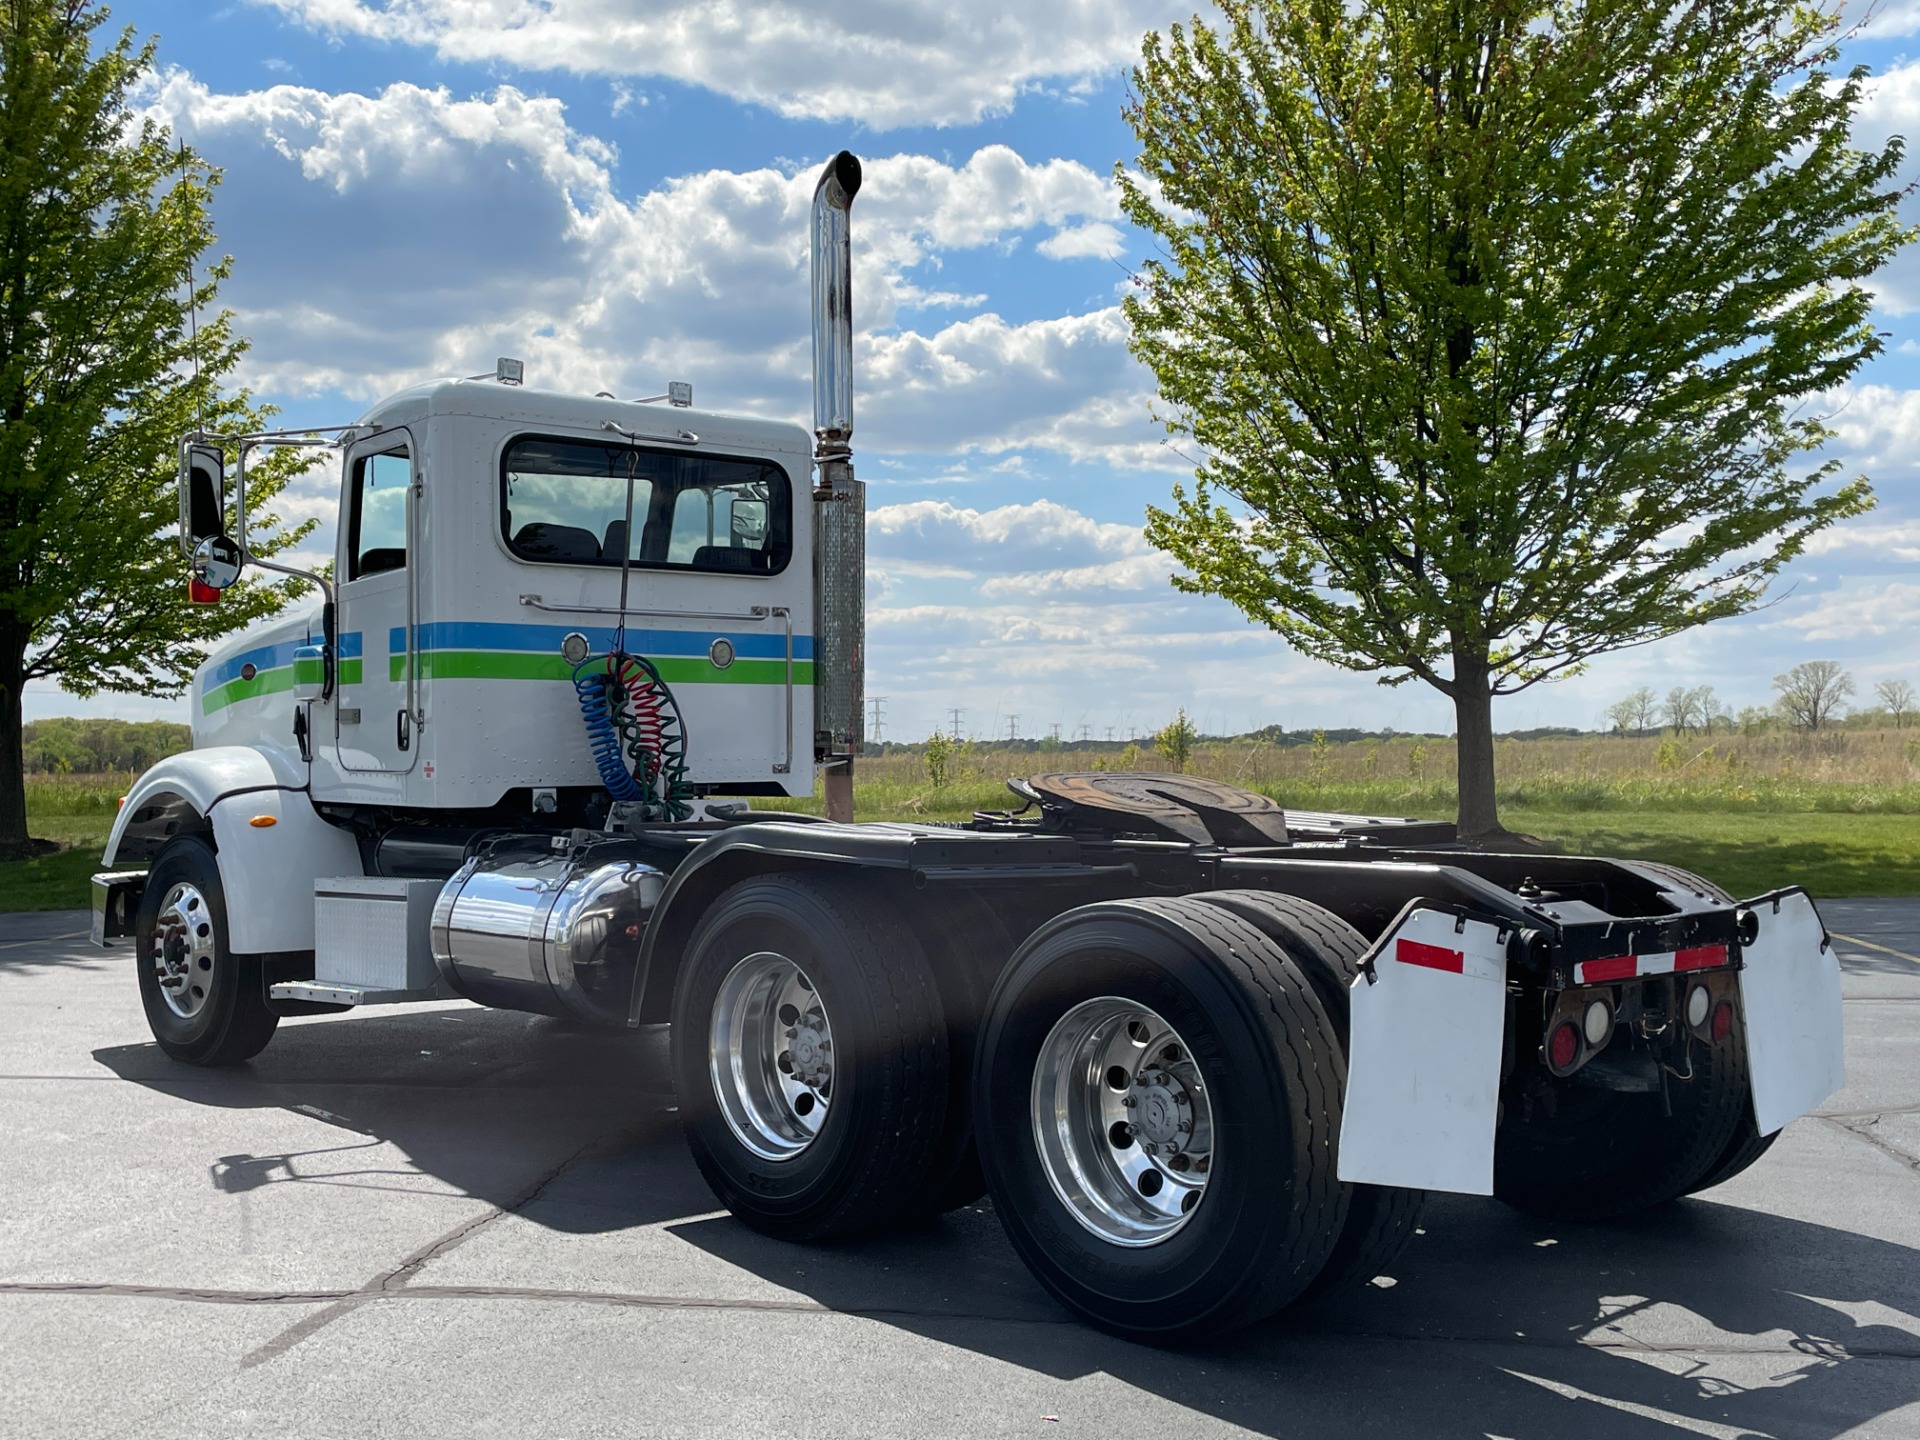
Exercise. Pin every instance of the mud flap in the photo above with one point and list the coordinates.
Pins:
(1423, 1068)
(1790, 993)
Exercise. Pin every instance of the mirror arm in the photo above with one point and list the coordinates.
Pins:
(240, 533)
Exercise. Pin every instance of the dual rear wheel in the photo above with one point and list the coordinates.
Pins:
(1155, 1093)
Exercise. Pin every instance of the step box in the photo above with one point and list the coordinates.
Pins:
(374, 934)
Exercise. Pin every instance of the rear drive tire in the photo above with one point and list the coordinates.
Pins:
(1381, 1219)
(809, 1055)
(205, 1005)
(1747, 1144)
(1221, 1045)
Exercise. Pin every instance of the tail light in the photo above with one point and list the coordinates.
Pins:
(1564, 1048)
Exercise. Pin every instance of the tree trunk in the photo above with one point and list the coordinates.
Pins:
(13, 780)
(1473, 724)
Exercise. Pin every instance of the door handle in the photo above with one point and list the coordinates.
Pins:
(403, 730)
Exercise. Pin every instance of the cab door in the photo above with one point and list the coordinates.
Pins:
(376, 708)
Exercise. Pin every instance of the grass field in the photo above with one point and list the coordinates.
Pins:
(1838, 813)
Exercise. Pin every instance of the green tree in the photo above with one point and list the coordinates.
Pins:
(939, 755)
(1812, 692)
(1495, 321)
(1175, 740)
(103, 367)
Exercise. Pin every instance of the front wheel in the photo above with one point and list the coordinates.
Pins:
(204, 1004)
(1157, 1094)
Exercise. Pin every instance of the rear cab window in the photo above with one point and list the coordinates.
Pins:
(565, 502)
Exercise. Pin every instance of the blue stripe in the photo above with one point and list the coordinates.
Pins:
(479, 635)
(349, 645)
(265, 657)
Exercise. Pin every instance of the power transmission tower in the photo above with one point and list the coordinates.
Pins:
(953, 719)
(879, 704)
(1056, 732)
(1109, 734)
(1013, 727)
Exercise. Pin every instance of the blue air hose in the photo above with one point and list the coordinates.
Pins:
(602, 738)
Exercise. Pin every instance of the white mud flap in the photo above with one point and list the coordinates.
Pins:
(1423, 1065)
(1790, 991)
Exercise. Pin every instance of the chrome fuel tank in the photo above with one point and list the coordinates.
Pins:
(545, 932)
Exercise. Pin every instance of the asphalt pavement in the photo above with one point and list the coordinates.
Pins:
(453, 1221)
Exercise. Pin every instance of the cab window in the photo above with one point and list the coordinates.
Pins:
(377, 529)
(565, 502)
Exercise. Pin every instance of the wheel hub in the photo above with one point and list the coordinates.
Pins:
(1122, 1121)
(770, 1056)
(183, 951)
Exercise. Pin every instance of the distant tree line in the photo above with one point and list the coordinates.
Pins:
(1811, 696)
(70, 746)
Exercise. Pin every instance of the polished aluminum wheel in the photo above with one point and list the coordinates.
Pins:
(1122, 1120)
(183, 953)
(770, 1052)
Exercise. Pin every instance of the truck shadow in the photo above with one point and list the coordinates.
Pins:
(1701, 1318)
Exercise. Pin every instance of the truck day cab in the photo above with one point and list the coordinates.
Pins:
(1206, 1055)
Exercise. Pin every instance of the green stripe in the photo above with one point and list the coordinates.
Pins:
(264, 682)
(267, 682)
(530, 665)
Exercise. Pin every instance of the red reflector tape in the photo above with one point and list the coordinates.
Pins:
(1700, 957)
(1434, 957)
(1617, 967)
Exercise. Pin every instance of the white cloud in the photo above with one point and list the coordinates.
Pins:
(1096, 241)
(387, 238)
(1042, 535)
(1856, 614)
(906, 62)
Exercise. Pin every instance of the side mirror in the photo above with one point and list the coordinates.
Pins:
(216, 565)
(750, 523)
(203, 496)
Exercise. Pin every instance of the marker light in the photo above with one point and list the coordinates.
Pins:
(262, 822)
(1722, 1020)
(1698, 1002)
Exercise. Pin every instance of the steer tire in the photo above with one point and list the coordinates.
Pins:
(1268, 1064)
(887, 1093)
(226, 1019)
(1381, 1219)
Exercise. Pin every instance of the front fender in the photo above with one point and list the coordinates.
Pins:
(179, 793)
(267, 869)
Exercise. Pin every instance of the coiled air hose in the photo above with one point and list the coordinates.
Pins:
(635, 732)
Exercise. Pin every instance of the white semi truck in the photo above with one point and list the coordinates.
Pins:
(1206, 1055)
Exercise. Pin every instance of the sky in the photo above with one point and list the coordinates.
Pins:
(615, 192)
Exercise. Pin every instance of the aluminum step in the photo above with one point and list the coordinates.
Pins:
(335, 993)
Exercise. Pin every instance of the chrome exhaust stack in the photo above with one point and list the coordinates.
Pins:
(839, 500)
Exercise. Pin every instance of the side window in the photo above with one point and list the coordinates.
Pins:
(565, 502)
(378, 529)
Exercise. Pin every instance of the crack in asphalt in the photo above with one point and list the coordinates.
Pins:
(394, 1281)
(1863, 1130)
